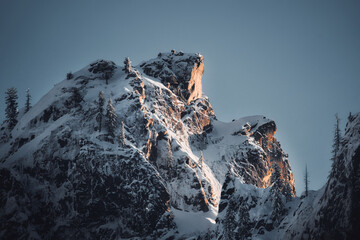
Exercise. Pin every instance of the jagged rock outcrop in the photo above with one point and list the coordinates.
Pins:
(63, 178)
(180, 74)
(332, 212)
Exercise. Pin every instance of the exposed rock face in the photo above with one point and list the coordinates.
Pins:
(65, 179)
(274, 155)
(181, 74)
(332, 212)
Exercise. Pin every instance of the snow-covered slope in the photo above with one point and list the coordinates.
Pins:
(333, 212)
(63, 178)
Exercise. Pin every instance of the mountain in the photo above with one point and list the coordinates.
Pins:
(333, 212)
(162, 167)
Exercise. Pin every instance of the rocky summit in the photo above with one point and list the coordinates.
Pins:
(155, 163)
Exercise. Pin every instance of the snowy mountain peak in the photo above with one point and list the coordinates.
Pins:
(180, 72)
(131, 149)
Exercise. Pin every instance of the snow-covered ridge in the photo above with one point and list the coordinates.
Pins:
(175, 158)
(329, 213)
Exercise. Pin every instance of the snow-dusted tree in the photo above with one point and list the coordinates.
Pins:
(337, 138)
(111, 118)
(11, 110)
(230, 223)
(306, 181)
(76, 97)
(201, 160)
(244, 225)
(27, 103)
(276, 178)
(122, 135)
(100, 109)
(127, 67)
(170, 160)
(237, 223)
(278, 205)
(287, 192)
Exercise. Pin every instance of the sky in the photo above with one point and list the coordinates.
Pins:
(296, 62)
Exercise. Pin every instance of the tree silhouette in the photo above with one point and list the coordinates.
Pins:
(111, 118)
(337, 138)
(11, 110)
(27, 104)
(100, 110)
(306, 181)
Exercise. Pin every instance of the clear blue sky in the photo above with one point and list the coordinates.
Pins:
(297, 62)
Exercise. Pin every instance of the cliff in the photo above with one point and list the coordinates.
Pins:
(64, 178)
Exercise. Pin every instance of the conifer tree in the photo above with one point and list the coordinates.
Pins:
(306, 181)
(278, 205)
(243, 231)
(337, 138)
(69, 76)
(11, 110)
(107, 75)
(111, 118)
(122, 134)
(201, 160)
(127, 67)
(287, 192)
(170, 156)
(27, 104)
(76, 97)
(100, 109)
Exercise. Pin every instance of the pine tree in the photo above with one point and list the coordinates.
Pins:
(350, 117)
(287, 192)
(276, 178)
(230, 223)
(306, 181)
(201, 160)
(27, 104)
(11, 110)
(170, 158)
(107, 75)
(244, 226)
(278, 205)
(237, 223)
(69, 76)
(76, 98)
(100, 109)
(122, 134)
(127, 67)
(110, 118)
(337, 138)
